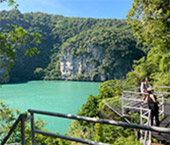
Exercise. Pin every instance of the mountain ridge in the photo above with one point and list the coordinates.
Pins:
(55, 31)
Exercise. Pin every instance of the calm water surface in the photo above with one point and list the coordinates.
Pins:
(55, 96)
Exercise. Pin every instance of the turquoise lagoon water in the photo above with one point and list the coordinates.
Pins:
(55, 96)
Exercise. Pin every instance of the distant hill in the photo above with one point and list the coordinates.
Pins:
(73, 48)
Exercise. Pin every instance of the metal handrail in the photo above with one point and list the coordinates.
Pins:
(84, 141)
(135, 108)
(139, 93)
(21, 118)
(126, 101)
(112, 108)
(139, 100)
(164, 87)
(94, 120)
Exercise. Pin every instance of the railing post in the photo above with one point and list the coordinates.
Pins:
(141, 123)
(122, 104)
(32, 129)
(149, 124)
(163, 106)
(23, 117)
(141, 113)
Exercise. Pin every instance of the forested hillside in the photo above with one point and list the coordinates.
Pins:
(150, 21)
(73, 48)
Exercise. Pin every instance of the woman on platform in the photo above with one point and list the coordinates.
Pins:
(153, 106)
(143, 88)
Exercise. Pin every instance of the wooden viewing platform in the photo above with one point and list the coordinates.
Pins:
(165, 122)
(131, 102)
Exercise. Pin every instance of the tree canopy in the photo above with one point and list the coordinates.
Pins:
(150, 21)
(12, 39)
(58, 32)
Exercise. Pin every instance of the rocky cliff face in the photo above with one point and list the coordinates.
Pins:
(55, 30)
(84, 67)
(72, 48)
(108, 56)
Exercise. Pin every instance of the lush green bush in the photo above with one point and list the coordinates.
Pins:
(8, 117)
(59, 32)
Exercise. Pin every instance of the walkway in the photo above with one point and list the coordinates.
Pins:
(165, 122)
(130, 101)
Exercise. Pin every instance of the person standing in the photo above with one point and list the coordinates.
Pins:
(143, 88)
(153, 106)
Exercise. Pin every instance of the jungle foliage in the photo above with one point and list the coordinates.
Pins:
(103, 52)
(57, 32)
(150, 21)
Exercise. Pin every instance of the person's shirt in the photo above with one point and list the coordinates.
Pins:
(143, 87)
(152, 99)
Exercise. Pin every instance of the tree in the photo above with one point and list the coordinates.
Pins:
(10, 2)
(150, 20)
(7, 118)
(12, 39)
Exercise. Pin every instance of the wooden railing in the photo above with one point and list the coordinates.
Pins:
(88, 119)
(69, 116)
(23, 117)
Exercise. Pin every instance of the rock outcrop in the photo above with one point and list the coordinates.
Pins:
(73, 68)
(87, 57)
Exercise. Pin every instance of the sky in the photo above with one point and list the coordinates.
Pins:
(75, 8)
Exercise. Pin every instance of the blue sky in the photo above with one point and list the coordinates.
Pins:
(76, 8)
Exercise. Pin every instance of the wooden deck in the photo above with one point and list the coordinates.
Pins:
(165, 122)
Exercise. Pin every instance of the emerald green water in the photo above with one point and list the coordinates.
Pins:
(56, 96)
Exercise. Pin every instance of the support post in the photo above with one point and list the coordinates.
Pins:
(163, 106)
(141, 123)
(141, 114)
(23, 117)
(32, 129)
(149, 124)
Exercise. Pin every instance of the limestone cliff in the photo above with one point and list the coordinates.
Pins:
(105, 54)
(72, 48)
(84, 67)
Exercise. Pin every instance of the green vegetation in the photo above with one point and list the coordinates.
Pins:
(150, 21)
(59, 32)
(11, 41)
(94, 107)
(103, 52)
(7, 118)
